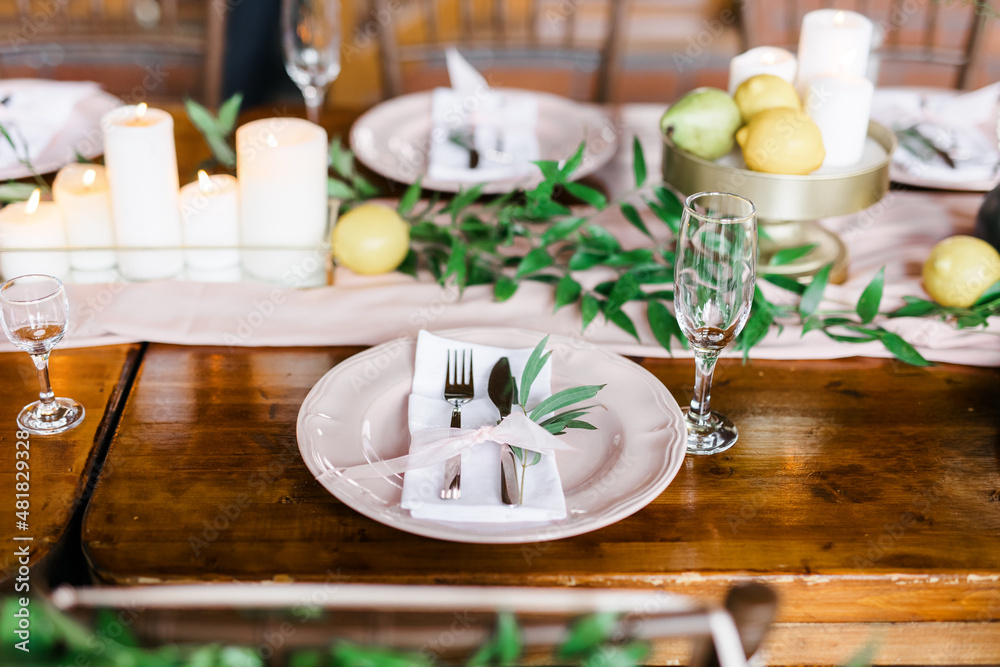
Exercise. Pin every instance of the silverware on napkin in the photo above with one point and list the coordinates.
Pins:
(501, 390)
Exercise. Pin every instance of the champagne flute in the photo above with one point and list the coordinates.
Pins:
(311, 42)
(35, 313)
(713, 290)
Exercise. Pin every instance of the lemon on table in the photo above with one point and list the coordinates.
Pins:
(371, 239)
(765, 91)
(781, 141)
(959, 269)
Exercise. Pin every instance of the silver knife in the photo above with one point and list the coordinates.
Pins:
(501, 390)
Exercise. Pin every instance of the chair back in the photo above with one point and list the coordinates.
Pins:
(917, 42)
(136, 49)
(570, 48)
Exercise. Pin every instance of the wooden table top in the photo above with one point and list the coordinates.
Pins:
(865, 491)
(59, 466)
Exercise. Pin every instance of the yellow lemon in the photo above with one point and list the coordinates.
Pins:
(781, 141)
(765, 91)
(959, 269)
(371, 239)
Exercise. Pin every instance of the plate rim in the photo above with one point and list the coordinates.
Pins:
(673, 451)
(490, 187)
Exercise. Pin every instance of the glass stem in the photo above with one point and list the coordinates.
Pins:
(314, 102)
(704, 364)
(45, 395)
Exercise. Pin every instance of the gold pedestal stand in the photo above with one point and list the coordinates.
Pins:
(788, 207)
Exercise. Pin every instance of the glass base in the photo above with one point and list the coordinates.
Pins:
(718, 435)
(66, 414)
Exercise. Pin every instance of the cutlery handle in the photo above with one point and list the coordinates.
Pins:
(456, 417)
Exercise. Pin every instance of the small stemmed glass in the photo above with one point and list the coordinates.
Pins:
(35, 314)
(714, 275)
(311, 43)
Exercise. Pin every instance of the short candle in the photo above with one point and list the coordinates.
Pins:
(840, 105)
(81, 193)
(761, 60)
(210, 215)
(833, 41)
(32, 224)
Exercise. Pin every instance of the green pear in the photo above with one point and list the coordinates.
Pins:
(703, 122)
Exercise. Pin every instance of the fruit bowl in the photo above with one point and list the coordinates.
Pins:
(789, 206)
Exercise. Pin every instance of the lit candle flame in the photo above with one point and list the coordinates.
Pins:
(88, 178)
(205, 183)
(839, 18)
(140, 110)
(270, 140)
(33, 200)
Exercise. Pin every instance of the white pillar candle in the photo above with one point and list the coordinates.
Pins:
(282, 168)
(81, 193)
(761, 60)
(211, 219)
(142, 174)
(840, 105)
(30, 225)
(832, 41)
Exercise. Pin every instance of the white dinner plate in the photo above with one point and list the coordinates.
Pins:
(80, 135)
(393, 139)
(939, 178)
(618, 469)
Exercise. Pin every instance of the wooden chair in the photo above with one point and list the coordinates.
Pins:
(136, 49)
(924, 42)
(527, 44)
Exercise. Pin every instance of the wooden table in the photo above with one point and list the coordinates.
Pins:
(867, 492)
(61, 468)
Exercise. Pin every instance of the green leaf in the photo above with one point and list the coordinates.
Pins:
(564, 399)
(561, 229)
(463, 199)
(784, 282)
(578, 423)
(504, 288)
(632, 215)
(567, 291)
(587, 194)
(789, 255)
(13, 191)
(638, 163)
(239, 656)
(630, 655)
(550, 170)
(563, 418)
(666, 215)
(992, 292)
(970, 321)
(757, 326)
(409, 264)
(588, 633)
(410, 198)
(574, 162)
(307, 658)
(457, 261)
(626, 288)
(503, 648)
(813, 294)
(536, 361)
(598, 239)
(669, 201)
(915, 308)
(346, 654)
(663, 324)
(903, 350)
(624, 322)
(207, 124)
(536, 260)
(341, 159)
(338, 189)
(229, 112)
(589, 307)
(641, 256)
(583, 260)
(868, 304)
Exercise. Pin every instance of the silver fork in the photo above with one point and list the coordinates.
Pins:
(458, 390)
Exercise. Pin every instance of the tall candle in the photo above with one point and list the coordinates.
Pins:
(761, 60)
(282, 168)
(210, 215)
(840, 105)
(81, 193)
(142, 174)
(32, 224)
(832, 41)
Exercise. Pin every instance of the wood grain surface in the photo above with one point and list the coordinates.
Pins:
(59, 465)
(865, 491)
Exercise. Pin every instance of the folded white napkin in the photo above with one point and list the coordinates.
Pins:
(480, 501)
(34, 111)
(500, 127)
(961, 125)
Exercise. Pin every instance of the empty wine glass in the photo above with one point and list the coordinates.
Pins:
(713, 290)
(311, 42)
(35, 313)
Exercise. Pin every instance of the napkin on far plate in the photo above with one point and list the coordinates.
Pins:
(34, 111)
(471, 115)
(480, 501)
(963, 125)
